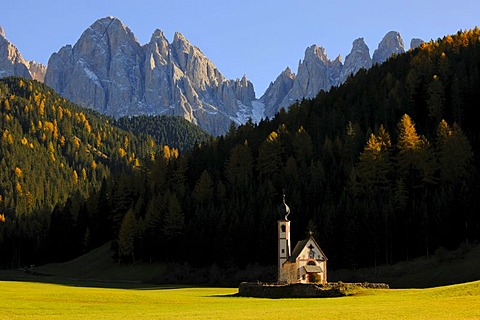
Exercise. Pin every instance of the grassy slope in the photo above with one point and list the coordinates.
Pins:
(70, 299)
(99, 265)
(421, 272)
(22, 300)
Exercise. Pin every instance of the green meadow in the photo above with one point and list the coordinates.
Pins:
(33, 300)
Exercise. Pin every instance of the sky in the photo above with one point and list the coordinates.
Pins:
(252, 37)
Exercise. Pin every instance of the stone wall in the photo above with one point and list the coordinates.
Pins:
(301, 290)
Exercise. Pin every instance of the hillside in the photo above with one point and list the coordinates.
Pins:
(166, 130)
(381, 169)
(54, 155)
(446, 268)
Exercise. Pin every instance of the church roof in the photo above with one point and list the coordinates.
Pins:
(299, 248)
(313, 269)
(283, 209)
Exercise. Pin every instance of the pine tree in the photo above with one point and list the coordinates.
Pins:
(203, 191)
(239, 166)
(127, 236)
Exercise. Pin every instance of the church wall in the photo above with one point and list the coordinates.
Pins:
(289, 272)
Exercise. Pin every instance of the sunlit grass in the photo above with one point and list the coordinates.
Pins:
(27, 300)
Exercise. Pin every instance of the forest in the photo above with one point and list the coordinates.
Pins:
(383, 168)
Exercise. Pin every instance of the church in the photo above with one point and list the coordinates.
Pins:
(306, 263)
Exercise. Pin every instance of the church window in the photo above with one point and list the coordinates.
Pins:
(283, 228)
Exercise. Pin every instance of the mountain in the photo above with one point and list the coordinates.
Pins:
(358, 58)
(392, 43)
(277, 91)
(108, 70)
(316, 72)
(415, 43)
(13, 64)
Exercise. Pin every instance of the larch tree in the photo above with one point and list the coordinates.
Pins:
(454, 153)
(239, 166)
(204, 191)
(127, 235)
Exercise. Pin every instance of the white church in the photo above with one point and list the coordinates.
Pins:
(307, 263)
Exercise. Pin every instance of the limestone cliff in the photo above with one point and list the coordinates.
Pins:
(108, 70)
(392, 43)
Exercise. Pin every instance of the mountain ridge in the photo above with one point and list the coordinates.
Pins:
(108, 70)
(316, 72)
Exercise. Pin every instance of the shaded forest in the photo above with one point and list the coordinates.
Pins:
(173, 131)
(382, 169)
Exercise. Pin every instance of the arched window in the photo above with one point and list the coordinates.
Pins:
(283, 228)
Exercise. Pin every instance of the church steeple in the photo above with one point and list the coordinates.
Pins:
(283, 209)
(284, 247)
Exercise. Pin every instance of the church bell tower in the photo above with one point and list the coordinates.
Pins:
(284, 246)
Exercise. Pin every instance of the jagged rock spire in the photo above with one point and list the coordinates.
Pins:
(391, 44)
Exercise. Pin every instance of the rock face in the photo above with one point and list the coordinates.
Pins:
(13, 64)
(37, 70)
(415, 43)
(277, 91)
(391, 44)
(358, 58)
(11, 61)
(109, 71)
(316, 72)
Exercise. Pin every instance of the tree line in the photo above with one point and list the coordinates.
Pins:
(382, 169)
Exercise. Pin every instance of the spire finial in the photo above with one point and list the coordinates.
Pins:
(284, 209)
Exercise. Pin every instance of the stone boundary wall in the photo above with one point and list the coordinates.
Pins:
(301, 290)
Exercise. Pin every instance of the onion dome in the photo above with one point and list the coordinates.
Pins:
(283, 209)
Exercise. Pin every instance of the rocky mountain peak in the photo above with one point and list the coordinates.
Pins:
(159, 47)
(180, 43)
(415, 43)
(277, 91)
(287, 72)
(157, 34)
(37, 70)
(359, 46)
(109, 27)
(101, 70)
(315, 52)
(358, 58)
(392, 43)
(11, 60)
(338, 60)
(108, 70)
(105, 23)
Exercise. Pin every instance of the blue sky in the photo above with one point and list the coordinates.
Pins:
(256, 38)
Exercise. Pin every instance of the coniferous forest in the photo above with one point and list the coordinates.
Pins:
(382, 169)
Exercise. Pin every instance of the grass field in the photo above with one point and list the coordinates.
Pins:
(31, 300)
